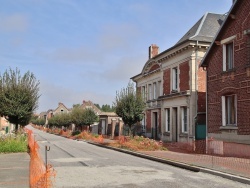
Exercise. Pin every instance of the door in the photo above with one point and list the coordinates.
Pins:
(175, 125)
(103, 126)
(155, 126)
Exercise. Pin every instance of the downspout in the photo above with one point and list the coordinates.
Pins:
(206, 115)
(196, 90)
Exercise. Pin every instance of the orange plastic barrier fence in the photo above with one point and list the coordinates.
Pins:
(40, 174)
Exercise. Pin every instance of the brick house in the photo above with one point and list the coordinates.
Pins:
(173, 85)
(227, 64)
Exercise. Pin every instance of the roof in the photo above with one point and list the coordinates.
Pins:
(203, 63)
(204, 29)
(108, 114)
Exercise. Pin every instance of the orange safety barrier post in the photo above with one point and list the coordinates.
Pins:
(40, 174)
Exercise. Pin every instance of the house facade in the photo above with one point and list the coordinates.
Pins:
(173, 85)
(227, 64)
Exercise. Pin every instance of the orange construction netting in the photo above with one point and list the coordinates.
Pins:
(40, 174)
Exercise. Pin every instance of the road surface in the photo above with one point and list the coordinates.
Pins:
(79, 164)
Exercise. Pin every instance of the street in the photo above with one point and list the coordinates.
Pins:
(79, 164)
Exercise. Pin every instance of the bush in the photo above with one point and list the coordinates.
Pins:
(13, 143)
(75, 133)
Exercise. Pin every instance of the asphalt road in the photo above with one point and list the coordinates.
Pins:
(79, 164)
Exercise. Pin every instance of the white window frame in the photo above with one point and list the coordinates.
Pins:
(167, 119)
(154, 90)
(159, 88)
(226, 118)
(184, 119)
(143, 92)
(175, 78)
(149, 91)
(225, 43)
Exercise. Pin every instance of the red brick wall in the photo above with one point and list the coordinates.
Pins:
(236, 82)
(148, 121)
(184, 76)
(154, 67)
(166, 81)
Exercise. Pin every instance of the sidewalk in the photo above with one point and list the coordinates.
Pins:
(14, 170)
(236, 169)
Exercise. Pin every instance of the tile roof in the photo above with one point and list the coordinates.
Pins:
(204, 29)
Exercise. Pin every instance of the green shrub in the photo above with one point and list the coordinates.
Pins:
(75, 133)
(13, 143)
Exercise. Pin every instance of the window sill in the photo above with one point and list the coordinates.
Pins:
(166, 133)
(228, 71)
(184, 134)
(229, 127)
(174, 91)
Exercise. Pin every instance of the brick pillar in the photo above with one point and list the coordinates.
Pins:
(113, 124)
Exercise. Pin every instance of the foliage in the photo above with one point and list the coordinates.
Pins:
(74, 133)
(37, 121)
(13, 143)
(63, 119)
(18, 96)
(129, 105)
(105, 108)
(82, 116)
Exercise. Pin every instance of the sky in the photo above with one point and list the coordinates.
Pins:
(89, 49)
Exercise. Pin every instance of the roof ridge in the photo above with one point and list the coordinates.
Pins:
(200, 26)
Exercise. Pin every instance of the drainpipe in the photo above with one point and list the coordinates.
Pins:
(196, 89)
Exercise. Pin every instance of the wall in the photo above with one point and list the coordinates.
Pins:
(235, 82)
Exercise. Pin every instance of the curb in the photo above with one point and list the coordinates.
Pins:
(179, 164)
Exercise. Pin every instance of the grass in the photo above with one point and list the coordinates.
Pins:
(13, 143)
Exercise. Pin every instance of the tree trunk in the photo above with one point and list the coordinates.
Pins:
(130, 131)
(16, 127)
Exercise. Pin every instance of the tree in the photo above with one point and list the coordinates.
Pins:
(18, 96)
(129, 105)
(83, 117)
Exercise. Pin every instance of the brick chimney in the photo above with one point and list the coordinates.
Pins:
(153, 51)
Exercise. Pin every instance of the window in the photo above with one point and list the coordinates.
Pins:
(143, 124)
(159, 88)
(144, 92)
(184, 119)
(149, 91)
(154, 90)
(229, 110)
(167, 119)
(175, 78)
(228, 53)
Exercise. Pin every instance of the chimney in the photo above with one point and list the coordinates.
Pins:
(153, 51)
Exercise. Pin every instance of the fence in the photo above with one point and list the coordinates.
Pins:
(40, 174)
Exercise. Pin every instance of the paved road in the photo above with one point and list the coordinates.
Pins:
(79, 164)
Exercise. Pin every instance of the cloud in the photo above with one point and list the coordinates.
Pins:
(14, 23)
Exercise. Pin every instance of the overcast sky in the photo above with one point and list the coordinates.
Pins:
(88, 49)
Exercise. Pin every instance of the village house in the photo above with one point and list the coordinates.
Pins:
(227, 64)
(173, 85)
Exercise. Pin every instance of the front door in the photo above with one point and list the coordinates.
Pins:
(155, 126)
(175, 125)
